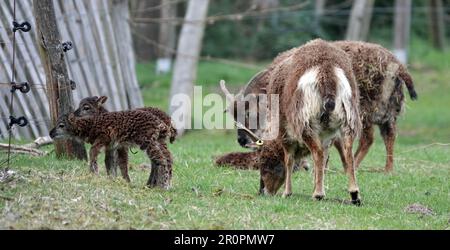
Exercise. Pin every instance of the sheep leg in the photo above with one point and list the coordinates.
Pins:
(161, 172)
(365, 141)
(93, 154)
(122, 158)
(315, 147)
(167, 173)
(388, 133)
(289, 166)
(350, 167)
(111, 161)
(339, 145)
(153, 174)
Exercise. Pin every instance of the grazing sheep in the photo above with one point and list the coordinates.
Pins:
(122, 130)
(90, 106)
(318, 103)
(379, 76)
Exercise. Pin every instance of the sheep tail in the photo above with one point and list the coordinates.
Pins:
(407, 79)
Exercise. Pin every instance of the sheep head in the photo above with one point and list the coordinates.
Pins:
(91, 106)
(63, 128)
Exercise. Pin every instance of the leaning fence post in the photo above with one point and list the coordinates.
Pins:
(59, 89)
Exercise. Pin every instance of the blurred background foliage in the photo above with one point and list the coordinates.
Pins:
(283, 30)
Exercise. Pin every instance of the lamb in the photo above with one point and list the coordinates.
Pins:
(318, 103)
(122, 130)
(239, 160)
(379, 75)
(252, 160)
(90, 106)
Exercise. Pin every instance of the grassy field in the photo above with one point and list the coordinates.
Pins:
(61, 194)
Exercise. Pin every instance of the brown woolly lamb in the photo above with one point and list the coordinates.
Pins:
(379, 76)
(251, 160)
(239, 160)
(91, 106)
(122, 130)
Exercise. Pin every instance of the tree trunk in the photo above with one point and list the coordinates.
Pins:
(263, 5)
(437, 24)
(189, 46)
(143, 9)
(319, 10)
(402, 29)
(58, 84)
(359, 21)
(167, 37)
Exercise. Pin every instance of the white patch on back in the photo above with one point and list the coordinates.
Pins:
(343, 96)
(311, 96)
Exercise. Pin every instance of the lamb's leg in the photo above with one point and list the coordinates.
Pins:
(153, 174)
(365, 141)
(161, 173)
(167, 171)
(93, 154)
(111, 161)
(315, 147)
(339, 145)
(289, 166)
(122, 156)
(388, 133)
(350, 166)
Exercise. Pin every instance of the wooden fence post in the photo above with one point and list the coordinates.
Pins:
(58, 84)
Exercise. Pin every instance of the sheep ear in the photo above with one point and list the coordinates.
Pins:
(102, 100)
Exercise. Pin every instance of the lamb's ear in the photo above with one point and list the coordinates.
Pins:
(102, 100)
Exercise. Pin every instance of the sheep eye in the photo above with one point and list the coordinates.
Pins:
(86, 108)
(61, 125)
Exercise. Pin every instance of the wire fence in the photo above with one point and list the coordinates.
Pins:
(99, 63)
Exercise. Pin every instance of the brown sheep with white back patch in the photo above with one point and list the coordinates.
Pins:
(379, 76)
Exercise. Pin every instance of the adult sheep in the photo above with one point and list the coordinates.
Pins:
(379, 76)
(318, 103)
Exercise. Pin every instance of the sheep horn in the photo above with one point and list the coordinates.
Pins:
(227, 93)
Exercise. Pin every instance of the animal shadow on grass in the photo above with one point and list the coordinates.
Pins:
(308, 198)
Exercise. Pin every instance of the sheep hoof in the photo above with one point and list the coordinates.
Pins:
(287, 194)
(356, 200)
(318, 196)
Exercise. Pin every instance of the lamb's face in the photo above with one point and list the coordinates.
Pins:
(62, 129)
(90, 106)
(271, 178)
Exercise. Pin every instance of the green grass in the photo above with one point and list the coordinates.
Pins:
(62, 194)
